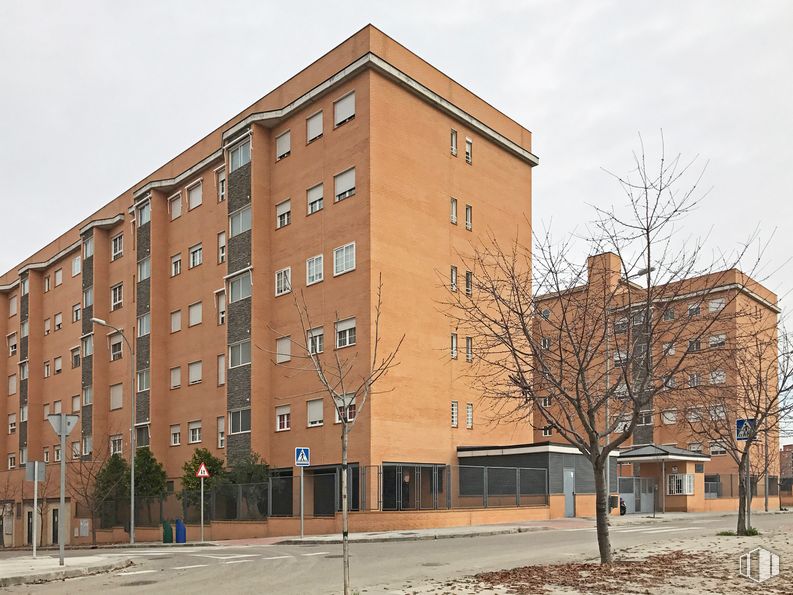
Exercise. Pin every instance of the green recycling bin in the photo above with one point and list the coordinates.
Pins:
(167, 532)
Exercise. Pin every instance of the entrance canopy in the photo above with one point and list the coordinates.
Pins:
(653, 453)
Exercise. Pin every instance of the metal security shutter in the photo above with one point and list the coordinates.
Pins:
(344, 109)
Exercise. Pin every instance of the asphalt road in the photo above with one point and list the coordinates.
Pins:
(375, 567)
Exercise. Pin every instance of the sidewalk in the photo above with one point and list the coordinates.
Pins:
(25, 570)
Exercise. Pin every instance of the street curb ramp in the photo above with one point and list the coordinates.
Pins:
(59, 575)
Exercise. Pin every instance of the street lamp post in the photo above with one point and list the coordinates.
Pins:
(132, 440)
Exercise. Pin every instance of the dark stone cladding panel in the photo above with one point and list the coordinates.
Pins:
(239, 320)
(143, 248)
(23, 348)
(142, 352)
(87, 414)
(237, 446)
(142, 407)
(239, 252)
(239, 188)
(23, 434)
(87, 365)
(23, 392)
(143, 297)
(88, 272)
(238, 387)
(24, 307)
(87, 314)
(643, 434)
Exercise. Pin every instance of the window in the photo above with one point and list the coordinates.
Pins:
(195, 196)
(344, 109)
(344, 184)
(23, 371)
(718, 377)
(315, 412)
(194, 432)
(58, 277)
(314, 270)
(717, 411)
(47, 284)
(88, 395)
(221, 247)
(12, 305)
(469, 349)
(176, 377)
(12, 460)
(469, 217)
(220, 179)
(453, 210)
(547, 431)
(469, 285)
(694, 414)
(283, 214)
(316, 340)
(176, 435)
(694, 380)
(240, 221)
(142, 436)
(47, 326)
(314, 127)
(46, 411)
(669, 417)
(345, 405)
(283, 418)
(239, 155)
(344, 259)
(144, 380)
(175, 206)
(668, 381)
(283, 145)
(545, 342)
(117, 247)
(88, 247)
(88, 297)
(620, 358)
(144, 214)
(77, 265)
(196, 256)
(240, 354)
(454, 416)
(194, 372)
(46, 455)
(694, 345)
(144, 325)
(283, 350)
(115, 347)
(47, 369)
(469, 415)
(24, 286)
(221, 369)
(221, 425)
(283, 281)
(176, 321)
(76, 313)
(693, 310)
(546, 402)
(57, 450)
(680, 484)
(716, 305)
(240, 287)
(469, 150)
(117, 296)
(314, 198)
(57, 364)
(23, 413)
(12, 344)
(58, 321)
(453, 278)
(24, 327)
(669, 313)
(87, 444)
(12, 423)
(194, 314)
(668, 348)
(12, 384)
(645, 418)
(717, 341)
(717, 448)
(345, 333)
(453, 142)
(116, 396)
(176, 264)
(453, 346)
(240, 421)
(144, 269)
(220, 304)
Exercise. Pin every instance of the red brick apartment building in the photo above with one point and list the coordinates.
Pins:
(368, 162)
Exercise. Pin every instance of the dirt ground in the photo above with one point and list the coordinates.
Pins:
(706, 565)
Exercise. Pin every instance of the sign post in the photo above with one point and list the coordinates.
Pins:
(202, 473)
(63, 425)
(302, 459)
(34, 471)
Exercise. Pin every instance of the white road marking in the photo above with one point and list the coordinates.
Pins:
(128, 554)
(130, 573)
(653, 531)
(229, 557)
(315, 554)
(237, 561)
(277, 557)
(188, 567)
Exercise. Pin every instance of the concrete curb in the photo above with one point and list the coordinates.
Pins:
(431, 537)
(58, 575)
(108, 546)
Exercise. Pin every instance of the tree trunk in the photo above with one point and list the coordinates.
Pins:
(344, 509)
(93, 528)
(601, 512)
(741, 528)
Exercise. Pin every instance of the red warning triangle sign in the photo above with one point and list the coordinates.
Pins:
(202, 471)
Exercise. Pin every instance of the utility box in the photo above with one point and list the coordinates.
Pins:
(167, 532)
(181, 531)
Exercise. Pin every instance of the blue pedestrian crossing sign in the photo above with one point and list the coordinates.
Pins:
(744, 428)
(302, 456)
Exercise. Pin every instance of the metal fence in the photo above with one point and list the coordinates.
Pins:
(727, 486)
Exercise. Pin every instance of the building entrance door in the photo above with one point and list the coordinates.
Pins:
(569, 492)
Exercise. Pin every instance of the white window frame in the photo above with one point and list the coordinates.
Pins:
(240, 221)
(680, 484)
(175, 206)
(453, 142)
(143, 326)
(176, 321)
(176, 264)
(195, 189)
(283, 145)
(235, 281)
(283, 213)
(346, 192)
(455, 414)
(117, 246)
(283, 281)
(117, 296)
(340, 255)
(144, 268)
(453, 345)
(314, 203)
(311, 123)
(175, 377)
(315, 272)
(176, 435)
(194, 432)
(283, 349)
(239, 154)
(341, 111)
(195, 256)
(345, 333)
(236, 418)
(315, 340)
(312, 421)
(237, 354)
(199, 365)
(283, 413)
(195, 314)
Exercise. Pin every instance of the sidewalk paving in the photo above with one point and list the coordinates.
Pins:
(27, 570)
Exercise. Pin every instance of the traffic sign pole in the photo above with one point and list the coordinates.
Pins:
(301, 502)
(202, 509)
(36, 504)
(62, 510)
(302, 459)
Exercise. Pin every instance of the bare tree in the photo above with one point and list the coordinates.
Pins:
(751, 377)
(576, 348)
(349, 379)
(8, 495)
